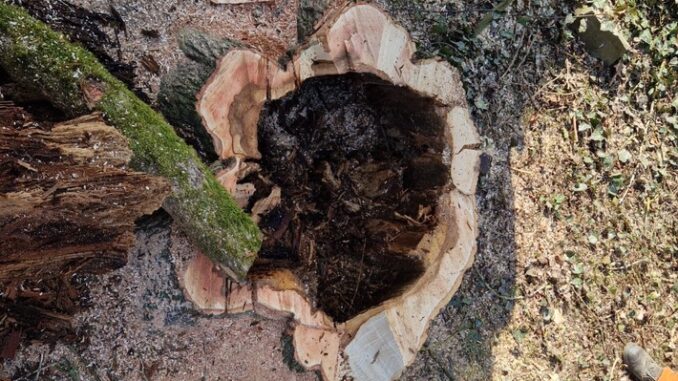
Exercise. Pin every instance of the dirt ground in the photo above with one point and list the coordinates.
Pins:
(578, 245)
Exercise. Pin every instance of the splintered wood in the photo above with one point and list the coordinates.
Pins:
(68, 205)
(380, 342)
(66, 196)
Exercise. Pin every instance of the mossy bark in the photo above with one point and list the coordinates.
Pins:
(77, 83)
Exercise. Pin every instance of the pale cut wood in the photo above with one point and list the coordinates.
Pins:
(380, 342)
(228, 178)
(231, 101)
(323, 349)
(281, 291)
(464, 179)
(205, 285)
(239, 298)
(202, 282)
(464, 133)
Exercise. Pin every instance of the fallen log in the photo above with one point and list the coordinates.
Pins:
(73, 80)
(364, 45)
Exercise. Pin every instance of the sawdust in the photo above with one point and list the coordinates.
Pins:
(139, 327)
(150, 30)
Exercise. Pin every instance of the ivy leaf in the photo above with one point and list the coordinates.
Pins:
(624, 156)
(480, 103)
(519, 334)
(577, 282)
(600, 4)
(646, 36)
(578, 269)
(616, 184)
(559, 198)
(597, 135)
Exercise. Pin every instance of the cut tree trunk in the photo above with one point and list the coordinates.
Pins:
(73, 80)
(381, 341)
(66, 196)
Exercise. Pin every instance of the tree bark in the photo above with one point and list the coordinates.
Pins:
(73, 80)
(179, 87)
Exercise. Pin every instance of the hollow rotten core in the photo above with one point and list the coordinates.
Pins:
(359, 164)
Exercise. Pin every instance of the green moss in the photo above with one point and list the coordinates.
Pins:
(36, 55)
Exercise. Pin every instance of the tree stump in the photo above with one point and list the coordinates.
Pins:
(255, 109)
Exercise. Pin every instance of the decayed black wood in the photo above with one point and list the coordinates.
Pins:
(86, 27)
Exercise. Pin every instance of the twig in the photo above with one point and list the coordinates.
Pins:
(360, 273)
(630, 265)
(633, 178)
(35, 371)
(515, 55)
(42, 357)
(611, 374)
(529, 47)
(521, 171)
(574, 130)
(545, 85)
(440, 364)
